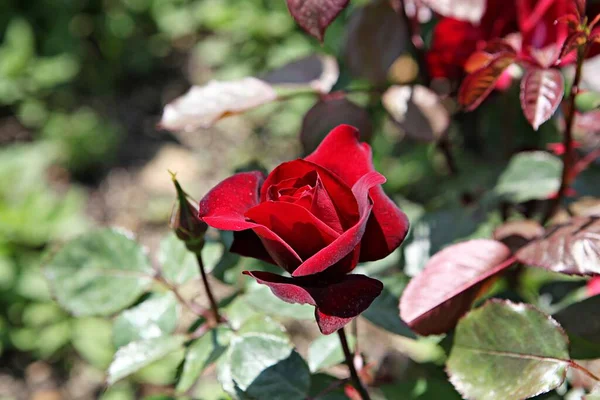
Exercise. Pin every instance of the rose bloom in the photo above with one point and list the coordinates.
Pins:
(316, 218)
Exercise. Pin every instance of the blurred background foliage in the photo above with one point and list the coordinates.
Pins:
(82, 86)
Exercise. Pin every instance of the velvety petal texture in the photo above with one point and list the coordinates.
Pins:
(336, 303)
(316, 218)
(343, 154)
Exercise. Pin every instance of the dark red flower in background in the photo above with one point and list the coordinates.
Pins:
(316, 218)
(454, 41)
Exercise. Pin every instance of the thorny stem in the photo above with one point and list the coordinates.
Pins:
(350, 362)
(211, 299)
(586, 371)
(568, 139)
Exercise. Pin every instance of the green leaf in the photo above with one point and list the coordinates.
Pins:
(506, 350)
(326, 352)
(531, 175)
(239, 311)
(99, 273)
(136, 355)
(587, 101)
(93, 341)
(203, 352)
(261, 298)
(421, 390)
(264, 325)
(266, 367)
(581, 321)
(178, 264)
(157, 316)
(326, 387)
(383, 312)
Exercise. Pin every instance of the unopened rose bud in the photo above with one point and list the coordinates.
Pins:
(185, 222)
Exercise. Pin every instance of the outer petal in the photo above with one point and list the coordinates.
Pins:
(296, 225)
(342, 153)
(338, 190)
(224, 207)
(336, 303)
(350, 239)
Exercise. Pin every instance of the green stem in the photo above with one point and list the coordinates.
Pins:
(211, 299)
(350, 362)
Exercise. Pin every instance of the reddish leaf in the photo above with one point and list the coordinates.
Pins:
(435, 299)
(541, 93)
(478, 60)
(496, 46)
(571, 248)
(516, 234)
(464, 10)
(328, 113)
(376, 37)
(317, 71)
(418, 111)
(314, 16)
(478, 85)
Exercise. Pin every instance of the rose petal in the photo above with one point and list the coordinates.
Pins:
(248, 244)
(296, 225)
(342, 153)
(224, 207)
(336, 303)
(339, 192)
(347, 241)
(315, 199)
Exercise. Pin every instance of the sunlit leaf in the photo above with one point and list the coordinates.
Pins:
(136, 355)
(434, 300)
(202, 106)
(515, 183)
(504, 350)
(317, 71)
(418, 111)
(314, 16)
(541, 93)
(328, 113)
(266, 367)
(326, 352)
(260, 298)
(376, 37)
(478, 85)
(178, 265)
(201, 353)
(99, 273)
(570, 248)
(155, 317)
(464, 10)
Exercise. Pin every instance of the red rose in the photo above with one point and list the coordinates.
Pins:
(316, 218)
(453, 41)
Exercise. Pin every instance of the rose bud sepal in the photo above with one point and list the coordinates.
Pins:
(185, 222)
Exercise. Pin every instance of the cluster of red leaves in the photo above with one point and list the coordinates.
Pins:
(550, 34)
